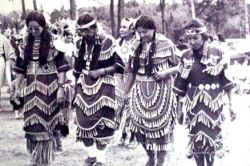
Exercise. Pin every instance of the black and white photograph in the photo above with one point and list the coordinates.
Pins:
(124, 82)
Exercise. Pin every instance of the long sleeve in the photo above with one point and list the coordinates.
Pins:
(61, 62)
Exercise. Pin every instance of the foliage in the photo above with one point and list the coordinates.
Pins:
(220, 16)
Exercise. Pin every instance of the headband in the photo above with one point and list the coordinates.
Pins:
(195, 31)
(86, 25)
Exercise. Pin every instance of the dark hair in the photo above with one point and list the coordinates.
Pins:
(54, 31)
(194, 23)
(46, 38)
(145, 22)
(80, 62)
(36, 16)
(67, 33)
(221, 37)
(86, 18)
(138, 51)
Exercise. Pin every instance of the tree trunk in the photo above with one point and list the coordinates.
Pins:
(73, 9)
(162, 7)
(246, 19)
(120, 14)
(112, 17)
(23, 9)
(34, 4)
(191, 7)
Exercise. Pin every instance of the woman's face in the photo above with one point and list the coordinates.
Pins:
(146, 35)
(125, 30)
(195, 41)
(87, 32)
(69, 38)
(34, 28)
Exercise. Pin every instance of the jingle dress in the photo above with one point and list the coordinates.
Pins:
(203, 88)
(95, 98)
(42, 114)
(153, 103)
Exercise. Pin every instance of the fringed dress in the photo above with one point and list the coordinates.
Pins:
(153, 103)
(95, 98)
(42, 115)
(124, 50)
(203, 88)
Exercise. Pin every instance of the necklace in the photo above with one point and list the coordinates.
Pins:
(89, 56)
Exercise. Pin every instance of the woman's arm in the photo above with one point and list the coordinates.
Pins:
(166, 73)
(129, 84)
(61, 82)
(232, 113)
(8, 70)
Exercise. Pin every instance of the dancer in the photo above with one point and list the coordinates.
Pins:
(95, 89)
(44, 68)
(123, 49)
(153, 103)
(201, 79)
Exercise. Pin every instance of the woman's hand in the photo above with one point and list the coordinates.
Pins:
(180, 114)
(158, 76)
(232, 114)
(96, 73)
(60, 95)
(125, 98)
(11, 89)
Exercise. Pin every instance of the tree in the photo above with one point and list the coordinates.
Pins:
(120, 14)
(34, 4)
(191, 7)
(162, 7)
(72, 9)
(112, 17)
(23, 9)
(246, 19)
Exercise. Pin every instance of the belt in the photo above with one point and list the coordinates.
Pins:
(212, 86)
(144, 78)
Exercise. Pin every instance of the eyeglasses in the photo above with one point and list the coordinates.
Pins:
(36, 28)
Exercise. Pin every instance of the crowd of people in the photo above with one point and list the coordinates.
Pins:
(140, 85)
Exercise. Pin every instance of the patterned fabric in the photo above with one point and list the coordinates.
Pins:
(203, 102)
(95, 98)
(124, 50)
(153, 103)
(42, 115)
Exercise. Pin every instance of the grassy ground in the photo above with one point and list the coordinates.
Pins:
(13, 150)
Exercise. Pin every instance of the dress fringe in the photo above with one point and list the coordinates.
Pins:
(104, 141)
(151, 123)
(157, 147)
(39, 103)
(44, 136)
(94, 107)
(164, 52)
(41, 151)
(50, 126)
(92, 131)
(41, 87)
(202, 136)
(148, 101)
(203, 96)
(206, 120)
(152, 133)
(184, 72)
(160, 67)
(104, 55)
(93, 89)
(215, 70)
